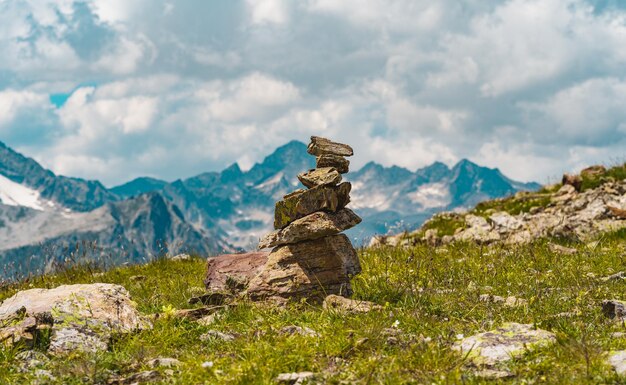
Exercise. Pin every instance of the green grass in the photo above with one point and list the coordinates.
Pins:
(431, 293)
(445, 224)
(512, 205)
(616, 173)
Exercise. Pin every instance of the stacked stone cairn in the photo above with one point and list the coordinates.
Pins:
(310, 256)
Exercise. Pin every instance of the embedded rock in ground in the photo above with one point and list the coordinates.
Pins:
(320, 177)
(479, 231)
(431, 238)
(217, 335)
(81, 317)
(614, 277)
(304, 202)
(618, 361)
(322, 146)
(573, 180)
(309, 269)
(342, 304)
(617, 212)
(593, 171)
(614, 309)
(231, 273)
(314, 226)
(164, 362)
(295, 378)
(339, 163)
(511, 340)
(562, 249)
(504, 222)
(297, 330)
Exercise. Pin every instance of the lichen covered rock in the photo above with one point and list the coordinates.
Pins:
(81, 317)
(320, 177)
(314, 226)
(511, 340)
(304, 202)
(322, 146)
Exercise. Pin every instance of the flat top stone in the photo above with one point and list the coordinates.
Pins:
(323, 146)
(313, 226)
(509, 341)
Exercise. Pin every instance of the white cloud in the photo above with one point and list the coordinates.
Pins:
(269, 11)
(508, 83)
(591, 112)
(251, 97)
(14, 102)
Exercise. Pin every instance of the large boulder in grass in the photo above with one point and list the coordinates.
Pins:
(80, 317)
(301, 203)
(231, 273)
(314, 226)
(311, 269)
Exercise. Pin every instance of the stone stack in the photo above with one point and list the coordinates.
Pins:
(311, 257)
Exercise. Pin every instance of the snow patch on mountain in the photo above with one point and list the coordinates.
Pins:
(15, 194)
(431, 195)
(369, 198)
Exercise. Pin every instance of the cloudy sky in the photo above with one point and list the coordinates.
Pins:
(115, 89)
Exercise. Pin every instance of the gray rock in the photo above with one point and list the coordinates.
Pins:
(314, 226)
(137, 378)
(618, 361)
(304, 202)
(431, 238)
(217, 335)
(614, 277)
(504, 222)
(511, 340)
(558, 249)
(479, 231)
(322, 146)
(298, 330)
(339, 163)
(295, 378)
(164, 362)
(320, 177)
(31, 359)
(342, 304)
(493, 374)
(181, 257)
(76, 339)
(82, 317)
(614, 309)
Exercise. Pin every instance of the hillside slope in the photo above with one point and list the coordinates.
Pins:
(581, 207)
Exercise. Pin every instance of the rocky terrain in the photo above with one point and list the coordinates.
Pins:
(565, 211)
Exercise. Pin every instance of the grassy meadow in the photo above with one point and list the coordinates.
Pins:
(430, 298)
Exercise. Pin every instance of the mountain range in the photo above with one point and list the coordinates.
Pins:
(47, 219)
